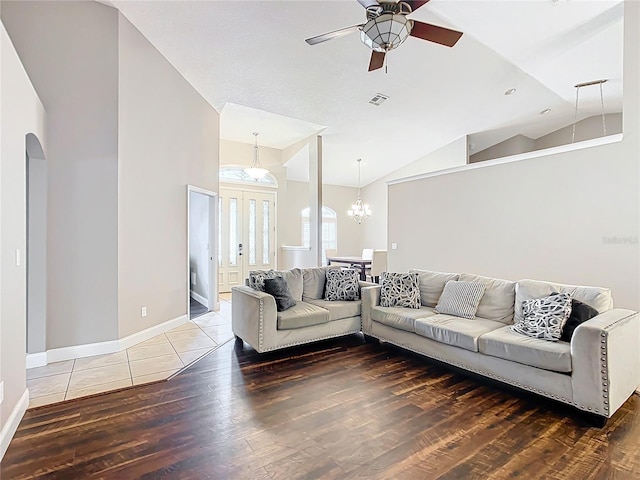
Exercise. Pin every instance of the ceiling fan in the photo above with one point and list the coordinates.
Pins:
(387, 27)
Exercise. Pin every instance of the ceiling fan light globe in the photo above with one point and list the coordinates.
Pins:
(386, 32)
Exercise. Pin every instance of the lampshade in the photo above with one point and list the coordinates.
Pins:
(256, 171)
(386, 32)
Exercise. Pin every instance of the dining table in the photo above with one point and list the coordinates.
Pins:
(358, 262)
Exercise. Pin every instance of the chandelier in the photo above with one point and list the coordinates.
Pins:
(360, 210)
(256, 171)
(388, 28)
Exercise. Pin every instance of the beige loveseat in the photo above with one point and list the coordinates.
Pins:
(596, 372)
(256, 320)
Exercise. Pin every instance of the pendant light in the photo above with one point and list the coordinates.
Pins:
(256, 171)
(359, 211)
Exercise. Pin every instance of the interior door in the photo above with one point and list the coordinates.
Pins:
(246, 235)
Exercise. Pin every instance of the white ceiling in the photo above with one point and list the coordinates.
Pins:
(252, 54)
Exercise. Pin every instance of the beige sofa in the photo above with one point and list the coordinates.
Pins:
(596, 372)
(256, 321)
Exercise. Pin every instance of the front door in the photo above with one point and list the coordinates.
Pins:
(247, 235)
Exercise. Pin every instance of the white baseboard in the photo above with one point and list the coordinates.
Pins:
(11, 425)
(100, 348)
(36, 359)
(199, 298)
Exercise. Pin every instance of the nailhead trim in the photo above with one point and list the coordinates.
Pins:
(604, 369)
(303, 342)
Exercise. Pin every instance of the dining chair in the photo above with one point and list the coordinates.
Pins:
(329, 252)
(378, 265)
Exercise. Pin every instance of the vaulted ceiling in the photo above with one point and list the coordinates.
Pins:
(250, 59)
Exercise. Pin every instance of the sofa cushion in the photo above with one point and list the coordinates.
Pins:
(544, 317)
(313, 282)
(278, 289)
(342, 284)
(339, 309)
(257, 278)
(302, 314)
(432, 284)
(460, 299)
(455, 331)
(498, 300)
(398, 317)
(596, 297)
(509, 345)
(293, 277)
(399, 290)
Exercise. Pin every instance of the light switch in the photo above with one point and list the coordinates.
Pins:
(394, 246)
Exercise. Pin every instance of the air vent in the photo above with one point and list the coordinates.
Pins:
(377, 99)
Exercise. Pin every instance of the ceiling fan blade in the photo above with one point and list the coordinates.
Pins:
(377, 60)
(415, 4)
(368, 3)
(331, 35)
(433, 33)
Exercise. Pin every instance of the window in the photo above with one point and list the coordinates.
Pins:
(329, 230)
(234, 174)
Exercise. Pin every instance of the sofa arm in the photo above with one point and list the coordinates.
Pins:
(254, 317)
(370, 297)
(364, 284)
(605, 361)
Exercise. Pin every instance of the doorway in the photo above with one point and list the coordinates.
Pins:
(202, 266)
(36, 251)
(247, 234)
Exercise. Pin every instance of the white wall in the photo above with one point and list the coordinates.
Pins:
(375, 194)
(168, 138)
(198, 240)
(571, 217)
(70, 52)
(20, 113)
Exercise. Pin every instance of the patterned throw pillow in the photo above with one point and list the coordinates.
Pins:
(342, 285)
(257, 278)
(544, 317)
(400, 290)
(460, 299)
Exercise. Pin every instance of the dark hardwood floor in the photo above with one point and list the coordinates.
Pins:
(337, 409)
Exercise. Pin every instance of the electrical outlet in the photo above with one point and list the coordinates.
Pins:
(394, 246)
(143, 313)
(18, 257)
(1, 392)
(193, 278)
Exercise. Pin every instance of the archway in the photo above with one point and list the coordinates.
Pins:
(36, 254)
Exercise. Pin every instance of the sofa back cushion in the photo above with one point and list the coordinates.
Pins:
(498, 301)
(313, 282)
(293, 277)
(432, 284)
(596, 297)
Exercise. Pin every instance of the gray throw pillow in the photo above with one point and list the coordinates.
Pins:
(399, 290)
(544, 317)
(257, 278)
(278, 288)
(342, 285)
(460, 299)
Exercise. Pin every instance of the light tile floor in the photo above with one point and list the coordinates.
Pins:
(155, 359)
